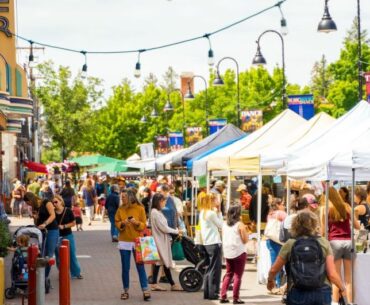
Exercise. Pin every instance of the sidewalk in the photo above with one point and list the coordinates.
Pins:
(100, 262)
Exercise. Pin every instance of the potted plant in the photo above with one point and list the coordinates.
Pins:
(5, 239)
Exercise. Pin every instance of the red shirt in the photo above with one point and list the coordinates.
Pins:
(245, 200)
(340, 230)
(77, 211)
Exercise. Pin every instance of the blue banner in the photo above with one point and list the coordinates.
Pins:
(176, 140)
(216, 124)
(302, 105)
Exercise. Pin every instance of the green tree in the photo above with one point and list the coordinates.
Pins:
(67, 106)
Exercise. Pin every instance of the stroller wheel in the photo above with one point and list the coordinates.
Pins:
(47, 285)
(190, 279)
(10, 293)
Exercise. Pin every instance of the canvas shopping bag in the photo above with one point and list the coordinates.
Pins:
(146, 251)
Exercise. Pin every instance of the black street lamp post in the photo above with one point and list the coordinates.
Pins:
(327, 25)
(190, 96)
(219, 82)
(260, 60)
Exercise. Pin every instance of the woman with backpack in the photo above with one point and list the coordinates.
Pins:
(339, 236)
(309, 282)
(277, 214)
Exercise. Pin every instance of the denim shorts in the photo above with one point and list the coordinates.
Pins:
(320, 296)
(341, 249)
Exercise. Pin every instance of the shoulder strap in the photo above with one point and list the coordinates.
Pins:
(64, 213)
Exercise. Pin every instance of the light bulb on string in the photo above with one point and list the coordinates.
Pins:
(84, 67)
(31, 58)
(283, 23)
(137, 72)
(211, 55)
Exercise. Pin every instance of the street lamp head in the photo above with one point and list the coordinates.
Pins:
(168, 106)
(326, 24)
(143, 119)
(211, 58)
(154, 113)
(189, 94)
(258, 58)
(218, 81)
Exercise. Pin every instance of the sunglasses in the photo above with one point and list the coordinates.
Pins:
(55, 202)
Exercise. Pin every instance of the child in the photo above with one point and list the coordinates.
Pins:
(20, 257)
(101, 206)
(78, 216)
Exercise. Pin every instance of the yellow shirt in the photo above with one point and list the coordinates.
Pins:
(130, 231)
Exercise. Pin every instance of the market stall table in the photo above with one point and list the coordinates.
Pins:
(361, 279)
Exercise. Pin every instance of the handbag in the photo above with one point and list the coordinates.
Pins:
(272, 230)
(146, 251)
(177, 251)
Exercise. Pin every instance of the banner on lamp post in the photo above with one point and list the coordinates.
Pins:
(302, 105)
(216, 124)
(161, 146)
(176, 140)
(367, 80)
(193, 135)
(251, 120)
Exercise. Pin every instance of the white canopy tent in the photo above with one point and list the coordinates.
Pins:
(234, 156)
(329, 156)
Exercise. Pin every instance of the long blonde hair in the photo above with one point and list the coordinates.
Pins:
(206, 203)
(338, 209)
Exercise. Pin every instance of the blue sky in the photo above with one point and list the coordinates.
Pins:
(136, 24)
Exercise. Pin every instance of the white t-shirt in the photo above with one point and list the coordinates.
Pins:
(210, 227)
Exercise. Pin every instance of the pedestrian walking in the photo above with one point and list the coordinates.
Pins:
(161, 234)
(66, 221)
(309, 281)
(89, 196)
(112, 205)
(17, 195)
(234, 238)
(77, 212)
(130, 220)
(210, 222)
(68, 194)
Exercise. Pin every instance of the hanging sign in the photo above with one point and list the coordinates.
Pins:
(162, 147)
(193, 135)
(216, 124)
(176, 140)
(251, 120)
(302, 105)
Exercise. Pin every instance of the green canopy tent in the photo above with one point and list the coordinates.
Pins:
(115, 167)
(91, 160)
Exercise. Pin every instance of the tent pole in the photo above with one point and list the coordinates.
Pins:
(228, 191)
(287, 195)
(327, 209)
(259, 213)
(353, 222)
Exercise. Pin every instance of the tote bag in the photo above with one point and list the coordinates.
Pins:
(177, 251)
(146, 251)
(272, 230)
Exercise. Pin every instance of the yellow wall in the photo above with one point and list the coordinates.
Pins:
(8, 50)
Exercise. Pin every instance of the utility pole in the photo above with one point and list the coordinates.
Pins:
(36, 153)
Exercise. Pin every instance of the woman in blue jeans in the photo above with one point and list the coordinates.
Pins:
(44, 217)
(111, 205)
(66, 221)
(276, 213)
(130, 220)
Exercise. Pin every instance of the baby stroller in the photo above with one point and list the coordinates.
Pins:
(19, 268)
(191, 278)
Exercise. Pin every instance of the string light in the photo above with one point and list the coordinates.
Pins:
(138, 64)
(284, 26)
(84, 67)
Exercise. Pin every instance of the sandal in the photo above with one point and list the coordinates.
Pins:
(176, 288)
(80, 277)
(146, 295)
(157, 288)
(124, 295)
(239, 301)
(275, 291)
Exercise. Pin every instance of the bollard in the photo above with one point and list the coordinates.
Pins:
(33, 252)
(64, 278)
(65, 242)
(2, 280)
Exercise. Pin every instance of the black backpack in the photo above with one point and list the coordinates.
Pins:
(307, 270)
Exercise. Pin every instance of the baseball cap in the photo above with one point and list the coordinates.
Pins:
(311, 199)
(241, 187)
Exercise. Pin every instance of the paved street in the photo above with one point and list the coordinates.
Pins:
(101, 266)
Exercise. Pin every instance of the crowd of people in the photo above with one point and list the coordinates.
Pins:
(164, 207)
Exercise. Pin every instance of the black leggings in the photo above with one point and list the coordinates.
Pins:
(167, 272)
